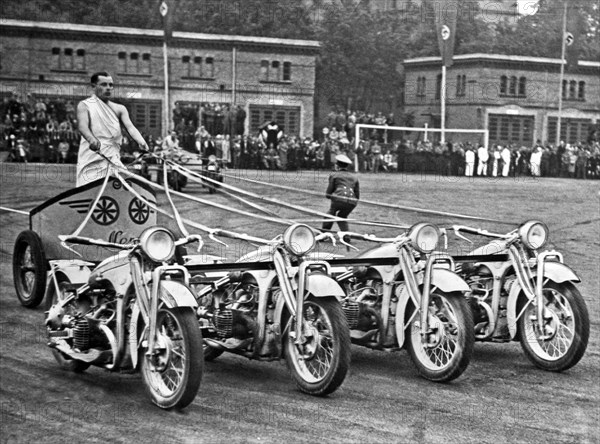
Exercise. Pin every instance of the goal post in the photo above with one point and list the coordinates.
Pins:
(459, 138)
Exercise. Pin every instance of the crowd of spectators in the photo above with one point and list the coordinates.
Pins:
(215, 128)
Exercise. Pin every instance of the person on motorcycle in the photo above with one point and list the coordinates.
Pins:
(343, 191)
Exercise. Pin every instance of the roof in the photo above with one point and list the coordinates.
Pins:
(156, 33)
(497, 57)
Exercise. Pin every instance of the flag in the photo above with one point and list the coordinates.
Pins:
(165, 8)
(527, 7)
(446, 12)
(575, 24)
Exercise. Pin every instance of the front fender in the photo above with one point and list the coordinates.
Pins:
(321, 285)
(76, 271)
(554, 271)
(175, 294)
(448, 281)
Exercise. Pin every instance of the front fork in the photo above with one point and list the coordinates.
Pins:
(149, 298)
(533, 292)
(421, 299)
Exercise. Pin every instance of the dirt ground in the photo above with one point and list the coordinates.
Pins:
(500, 398)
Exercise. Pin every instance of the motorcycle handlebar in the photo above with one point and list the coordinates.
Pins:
(464, 229)
(369, 237)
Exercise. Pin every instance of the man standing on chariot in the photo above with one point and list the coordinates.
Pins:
(99, 121)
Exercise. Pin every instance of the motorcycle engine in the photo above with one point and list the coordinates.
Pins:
(364, 300)
(235, 316)
(481, 293)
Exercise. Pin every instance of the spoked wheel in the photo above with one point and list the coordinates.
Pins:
(446, 350)
(566, 328)
(29, 269)
(319, 364)
(173, 371)
(71, 309)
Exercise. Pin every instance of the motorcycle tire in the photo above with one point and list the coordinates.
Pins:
(178, 324)
(449, 349)
(64, 361)
(569, 326)
(328, 343)
(29, 269)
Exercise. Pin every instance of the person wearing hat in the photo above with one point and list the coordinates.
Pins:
(343, 191)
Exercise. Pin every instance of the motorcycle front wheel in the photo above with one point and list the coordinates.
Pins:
(319, 364)
(172, 373)
(445, 352)
(566, 329)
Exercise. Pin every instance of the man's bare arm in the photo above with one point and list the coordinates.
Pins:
(83, 125)
(131, 129)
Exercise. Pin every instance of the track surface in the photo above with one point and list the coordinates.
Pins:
(500, 398)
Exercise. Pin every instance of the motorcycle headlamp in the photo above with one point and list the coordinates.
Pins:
(424, 237)
(299, 239)
(158, 244)
(534, 234)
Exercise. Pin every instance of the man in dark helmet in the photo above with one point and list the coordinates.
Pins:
(343, 191)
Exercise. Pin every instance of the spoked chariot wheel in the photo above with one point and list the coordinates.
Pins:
(29, 269)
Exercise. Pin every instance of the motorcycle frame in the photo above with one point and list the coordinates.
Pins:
(146, 301)
(412, 280)
(293, 294)
(530, 279)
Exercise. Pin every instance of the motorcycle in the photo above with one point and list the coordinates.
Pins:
(138, 164)
(133, 311)
(395, 298)
(279, 305)
(175, 179)
(518, 292)
(212, 170)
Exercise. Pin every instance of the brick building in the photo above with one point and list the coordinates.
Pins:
(516, 98)
(269, 78)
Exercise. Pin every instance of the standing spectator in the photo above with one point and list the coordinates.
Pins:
(63, 151)
(495, 161)
(535, 161)
(483, 155)
(469, 161)
(171, 142)
(581, 163)
(505, 155)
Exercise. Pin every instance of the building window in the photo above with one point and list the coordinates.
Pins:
(197, 67)
(581, 91)
(122, 62)
(287, 71)
(146, 65)
(80, 59)
(503, 85)
(572, 89)
(55, 58)
(134, 67)
(461, 85)
(274, 74)
(522, 86)
(421, 87)
(264, 71)
(564, 89)
(185, 66)
(512, 87)
(68, 59)
(210, 67)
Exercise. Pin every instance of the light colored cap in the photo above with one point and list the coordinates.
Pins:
(342, 158)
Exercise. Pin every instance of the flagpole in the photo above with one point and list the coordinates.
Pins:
(443, 102)
(562, 73)
(166, 98)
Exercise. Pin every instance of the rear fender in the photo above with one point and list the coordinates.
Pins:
(403, 301)
(76, 271)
